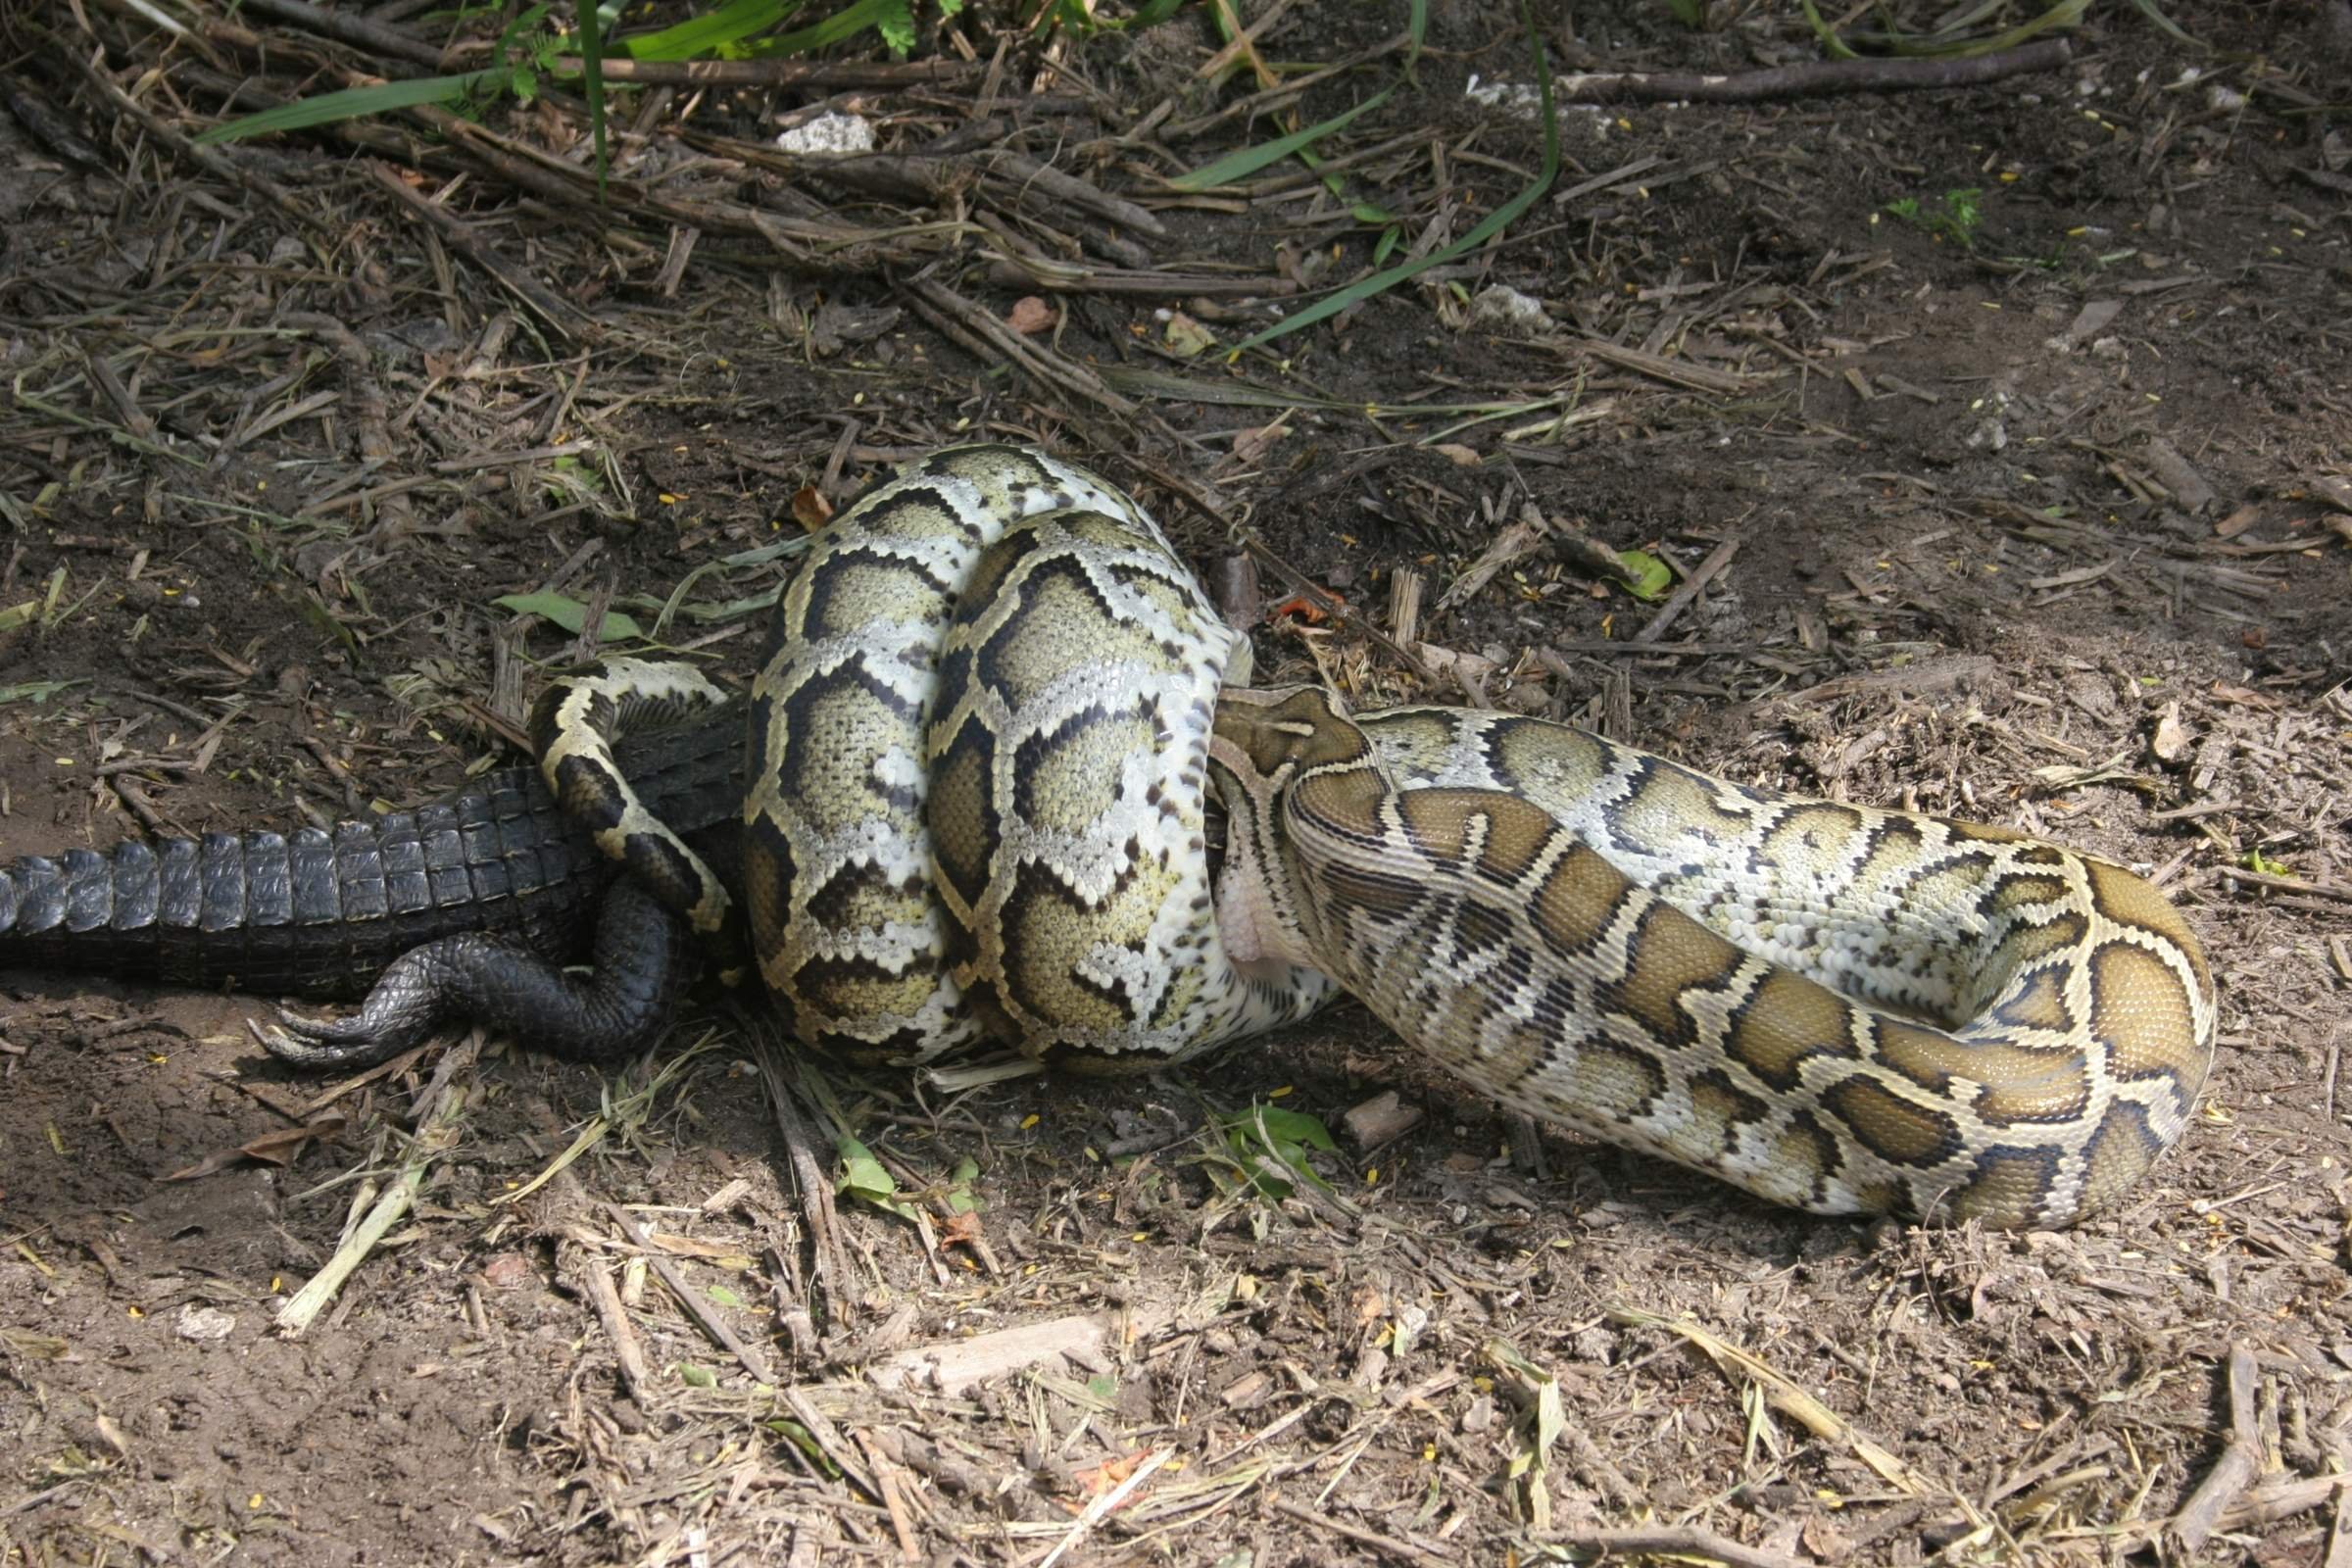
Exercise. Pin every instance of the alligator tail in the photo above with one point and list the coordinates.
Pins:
(311, 913)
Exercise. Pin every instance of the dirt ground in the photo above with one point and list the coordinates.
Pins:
(2046, 524)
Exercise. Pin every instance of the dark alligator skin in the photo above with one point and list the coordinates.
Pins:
(324, 915)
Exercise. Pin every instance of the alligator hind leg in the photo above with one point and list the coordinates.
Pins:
(642, 960)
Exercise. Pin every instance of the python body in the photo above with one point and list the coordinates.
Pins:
(979, 758)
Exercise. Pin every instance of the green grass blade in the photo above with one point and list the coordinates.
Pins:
(592, 77)
(1493, 224)
(1831, 44)
(349, 104)
(2065, 13)
(701, 37)
(1250, 159)
(834, 28)
(2150, 10)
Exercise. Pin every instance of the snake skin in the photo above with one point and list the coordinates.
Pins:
(976, 812)
(1840, 1008)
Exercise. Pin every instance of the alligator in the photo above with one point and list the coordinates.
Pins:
(466, 908)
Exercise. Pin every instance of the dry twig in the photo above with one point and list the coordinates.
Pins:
(1818, 78)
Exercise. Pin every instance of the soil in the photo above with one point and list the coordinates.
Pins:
(2045, 524)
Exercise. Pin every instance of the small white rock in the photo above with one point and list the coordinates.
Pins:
(830, 134)
(1500, 306)
(199, 1322)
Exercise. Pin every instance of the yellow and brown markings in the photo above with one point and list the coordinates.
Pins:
(1815, 837)
(2037, 1001)
(2142, 1013)
(1066, 780)
(1718, 1110)
(1896, 1128)
(1668, 808)
(2022, 891)
(2119, 1153)
(1604, 1082)
(1511, 834)
(1061, 624)
(1671, 956)
(1954, 880)
(2011, 1186)
(1550, 764)
(1389, 894)
(1298, 728)
(769, 872)
(863, 587)
(1507, 1057)
(1786, 1021)
(1414, 745)
(861, 896)
(2016, 1083)
(965, 828)
(2026, 942)
(1579, 900)
(1808, 1152)
(1050, 983)
(835, 723)
(1985, 832)
(2129, 900)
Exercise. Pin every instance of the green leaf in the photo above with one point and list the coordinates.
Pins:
(699, 37)
(723, 1296)
(1645, 576)
(1250, 159)
(960, 1187)
(36, 690)
(847, 24)
(864, 1177)
(1831, 44)
(1266, 1142)
(2148, 9)
(589, 23)
(1495, 222)
(571, 614)
(349, 104)
(697, 1377)
(1295, 1127)
(798, 1437)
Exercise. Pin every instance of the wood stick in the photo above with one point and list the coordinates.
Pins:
(359, 31)
(1679, 600)
(2231, 1474)
(1819, 79)
(1386, 1546)
(1671, 1541)
(691, 1300)
(552, 308)
(627, 1349)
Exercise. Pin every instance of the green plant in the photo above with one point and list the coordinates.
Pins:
(1264, 1146)
(1955, 216)
(534, 52)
